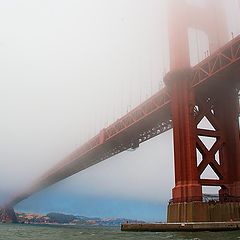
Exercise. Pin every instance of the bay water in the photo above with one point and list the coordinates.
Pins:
(59, 232)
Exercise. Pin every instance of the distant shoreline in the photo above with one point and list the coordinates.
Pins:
(60, 219)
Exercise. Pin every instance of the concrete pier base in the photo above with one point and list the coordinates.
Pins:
(203, 212)
(181, 227)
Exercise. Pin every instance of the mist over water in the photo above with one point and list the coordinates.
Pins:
(69, 69)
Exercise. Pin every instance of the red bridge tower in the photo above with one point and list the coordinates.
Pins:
(218, 104)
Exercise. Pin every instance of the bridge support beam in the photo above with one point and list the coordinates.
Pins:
(7, 215)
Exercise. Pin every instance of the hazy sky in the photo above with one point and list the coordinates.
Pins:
(70, 68)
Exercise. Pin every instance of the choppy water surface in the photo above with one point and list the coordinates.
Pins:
(28, 232)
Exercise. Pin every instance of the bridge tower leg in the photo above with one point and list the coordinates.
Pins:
(219, 106)
(3, 215)
(187, 187)
(7, 215)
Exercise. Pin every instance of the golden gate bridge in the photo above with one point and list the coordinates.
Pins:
(190, 94)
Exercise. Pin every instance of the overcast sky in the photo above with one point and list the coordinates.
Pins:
(70, 68)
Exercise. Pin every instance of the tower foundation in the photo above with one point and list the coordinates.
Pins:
(203, 212)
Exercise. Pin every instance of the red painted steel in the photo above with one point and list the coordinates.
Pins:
(224, 132)
(212, 67)
(209, 19)
(187, 187)
(197, 93)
